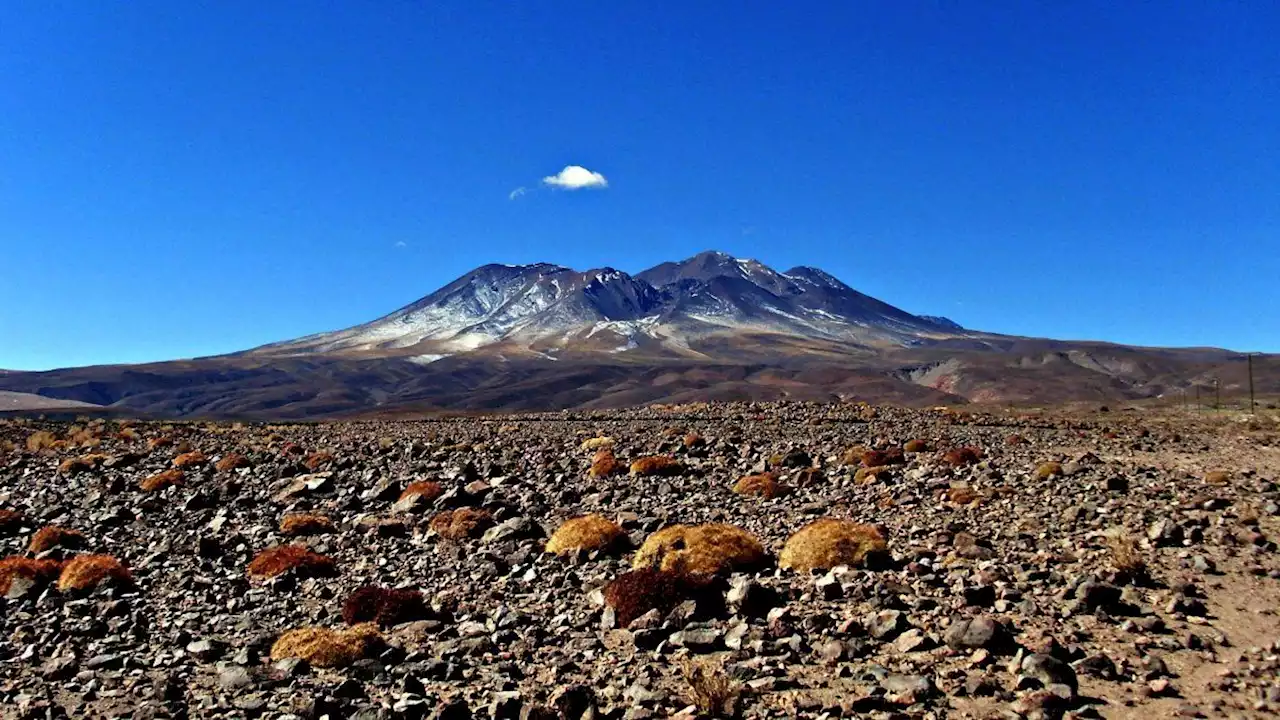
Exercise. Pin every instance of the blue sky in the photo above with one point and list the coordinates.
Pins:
(188, 178)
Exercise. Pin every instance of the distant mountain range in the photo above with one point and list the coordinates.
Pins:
(710, 327)
(667, 307)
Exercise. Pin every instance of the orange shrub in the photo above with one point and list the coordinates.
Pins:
(161, 480)
(278, 560)
(461, 523)
(231, 461)
(38, 571)
(51, 536)
(305, 524)
(194, 458)
(85, 572)
(656, 465)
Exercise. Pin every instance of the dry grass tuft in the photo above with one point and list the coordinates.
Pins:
(231, 461)
(701, 550)
(764, 485)
(384, 606)
(326, 648)
(810, 476)
(588, 533)
(853, 455)
(41, 572)
(656, 465)
(461, 523)
(317, 460)
(916, 446)
(1015, 440)
(596, 443)
(278, 560)
(881, 458)
(866, 475)
(605, 464)
(425, 489)
(1046, 470)
(11, 521)
(41, 440)
(51, 536)
(962, 495)
(694, 440)
(1125, 554)
(828, 542)
(86, 572)
(1217, 477)
(195, 458)
(962, 456)
(82, 464)
(711, 690)
(156, 443)
(639, 591)
(296, 524)
(160, 481)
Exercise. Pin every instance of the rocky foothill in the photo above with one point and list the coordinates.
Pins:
(736, 559)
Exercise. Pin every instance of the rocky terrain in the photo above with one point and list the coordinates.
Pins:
(834, 560)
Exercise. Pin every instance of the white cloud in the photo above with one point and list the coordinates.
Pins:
(576, 177)
(517, 193)
(401, 243)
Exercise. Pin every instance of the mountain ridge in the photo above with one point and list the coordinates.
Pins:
(710, 327)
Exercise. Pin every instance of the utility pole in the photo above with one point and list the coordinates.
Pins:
(1251, 404)
(1199, 407)
(1217, 395)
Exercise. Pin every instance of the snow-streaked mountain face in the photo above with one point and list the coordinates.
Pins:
(668, 304)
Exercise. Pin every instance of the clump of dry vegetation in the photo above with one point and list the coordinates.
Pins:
(86, 572)
(384, 606)
(656, 465)
(708, 549)
(231, 461)
(853, 455)
(962, 495)
(1217, 477)
(916, 446)
(275, 561)
(195, 458)
(318, 459)
(1125, 554)
(51, 536)
(596, 443)
(162, 480)
(639, 591)
(296, 524)
(41, 572)
(711, 690)
(11, 521)
(763, 485)
(461, 523)
(694, 440)
(1046, 470)
(81, 464)
(864, 475)
(962, 456)
(163, 441)
(327, 648)
(42, 440)
(426, 490)
(828, 542)
(587, 533)
(881, 458)
(604, 464)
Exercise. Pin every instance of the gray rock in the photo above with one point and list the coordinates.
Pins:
(972, 633)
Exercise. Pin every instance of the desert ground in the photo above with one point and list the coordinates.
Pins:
(734, 559)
